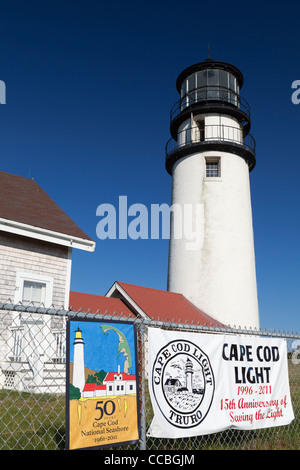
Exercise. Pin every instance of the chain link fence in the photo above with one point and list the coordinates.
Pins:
(33, 384)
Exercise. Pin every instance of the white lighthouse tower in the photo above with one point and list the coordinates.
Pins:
(209, 157)
(78, 361)
(189, 375)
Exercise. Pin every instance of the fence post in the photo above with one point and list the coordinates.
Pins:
(142, 329)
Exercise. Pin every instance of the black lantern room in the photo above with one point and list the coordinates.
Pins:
(210, 88)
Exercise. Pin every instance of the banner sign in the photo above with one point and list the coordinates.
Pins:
(205, 383)
(102, 387)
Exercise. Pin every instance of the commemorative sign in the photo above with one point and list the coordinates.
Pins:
(101, 393)
(200, 384)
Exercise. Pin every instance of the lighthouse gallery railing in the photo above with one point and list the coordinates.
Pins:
(194, 135)
(208, 94)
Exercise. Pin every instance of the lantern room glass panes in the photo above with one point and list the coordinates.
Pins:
(224, 94)
(210, 84)
(201, 78)
(232, 82)
(201, 82)
(184, 95)
(212, 77)
(191, 83)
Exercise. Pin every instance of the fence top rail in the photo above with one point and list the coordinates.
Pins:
(147, 322)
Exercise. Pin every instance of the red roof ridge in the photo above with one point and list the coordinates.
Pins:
(89, 386)
(167, 305)
(131, 300)
(149, 288)
(98, 303)
(111, 375)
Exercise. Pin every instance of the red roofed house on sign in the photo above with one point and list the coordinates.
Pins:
(114, 383)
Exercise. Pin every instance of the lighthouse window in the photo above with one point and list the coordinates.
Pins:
(192, 82)
(232, 86)
(184, 91)
(232, 82)
(201, 82)
(212, 168)
(201, 79)
(223, 79)
(184, 88)
(224, 94)
(212, 77)
(213, 84)
(191, 86)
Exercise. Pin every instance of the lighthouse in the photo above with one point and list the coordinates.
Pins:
(78, 361)
(209, 156)
(189, 375)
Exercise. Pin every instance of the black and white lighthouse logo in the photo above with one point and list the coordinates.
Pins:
(183, 383)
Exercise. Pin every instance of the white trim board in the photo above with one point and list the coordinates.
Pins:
(50, 236)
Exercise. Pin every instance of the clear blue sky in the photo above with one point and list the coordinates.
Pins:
(89, 88)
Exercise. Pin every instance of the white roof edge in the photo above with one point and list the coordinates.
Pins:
(50, 236)
(116, 287)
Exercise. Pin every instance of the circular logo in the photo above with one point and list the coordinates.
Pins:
(183, 383)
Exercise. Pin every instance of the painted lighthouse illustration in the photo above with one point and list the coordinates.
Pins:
(209, 157)
(114, 383)
(78, 367)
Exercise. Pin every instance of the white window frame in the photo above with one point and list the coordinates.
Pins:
(213, 160)
(33, 277)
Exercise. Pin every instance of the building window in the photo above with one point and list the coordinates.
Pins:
(34, 289)
(213, 168)
(34, 293)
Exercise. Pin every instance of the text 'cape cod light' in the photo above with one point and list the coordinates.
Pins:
(202, 383)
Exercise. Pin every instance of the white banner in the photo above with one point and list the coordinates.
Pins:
(205, 383)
